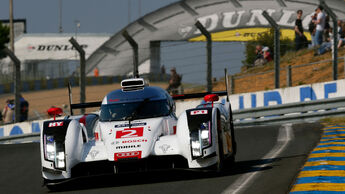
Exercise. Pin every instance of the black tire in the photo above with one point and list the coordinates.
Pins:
(220, 155)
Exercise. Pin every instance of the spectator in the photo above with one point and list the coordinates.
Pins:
(343, 29)
(312, 29)
(162, 69)
(267, 54)
(300, 39)
(174, 82)
(259, 59)
(341, 37)
(96, 72)
(24, 109)
(320, 25)
(8, 112)
(326, 29)
(328, 46)
(258, 52)
(340, 28)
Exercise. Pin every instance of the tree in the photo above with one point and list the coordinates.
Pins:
(267, 39)
(4, 38)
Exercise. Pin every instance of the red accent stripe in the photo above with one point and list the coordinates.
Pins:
(96, 136)
(174, 128)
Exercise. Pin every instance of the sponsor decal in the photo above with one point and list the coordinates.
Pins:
(94, 153)
(123, 155)
(128, 146)
(96, 136)
(164, 148)
(132, 125)
(56, 124)
(53, 47)
(198, 112)
(130, 133)
(134, 141)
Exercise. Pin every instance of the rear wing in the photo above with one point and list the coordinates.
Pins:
(175, 97)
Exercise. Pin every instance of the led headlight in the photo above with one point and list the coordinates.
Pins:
(205, 134)
(54, 151)
(196, 148)
(200, 139)
(50, 148)
(60, 160)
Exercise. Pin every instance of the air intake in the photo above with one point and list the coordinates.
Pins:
(133, 84)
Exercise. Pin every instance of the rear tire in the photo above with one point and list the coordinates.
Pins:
(220, 155)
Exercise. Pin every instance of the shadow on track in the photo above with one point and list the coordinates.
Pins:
(104, 181)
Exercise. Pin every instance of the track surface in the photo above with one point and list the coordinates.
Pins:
(20, 168)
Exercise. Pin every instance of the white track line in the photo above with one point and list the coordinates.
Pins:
(284, 136)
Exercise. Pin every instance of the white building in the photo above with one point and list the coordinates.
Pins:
(52, 55)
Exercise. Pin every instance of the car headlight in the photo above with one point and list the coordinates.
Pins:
(54, 151)
(196, 148)
(60, 160)
(200, 139)
(205, 132)
(49, 147)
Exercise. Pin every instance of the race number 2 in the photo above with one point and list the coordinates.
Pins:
(130, 133)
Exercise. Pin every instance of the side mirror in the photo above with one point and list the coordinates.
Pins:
(211, 98)
(53, 111)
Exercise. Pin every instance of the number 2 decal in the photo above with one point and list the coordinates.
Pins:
(130, 133)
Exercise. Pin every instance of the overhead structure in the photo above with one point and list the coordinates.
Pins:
(227, 20)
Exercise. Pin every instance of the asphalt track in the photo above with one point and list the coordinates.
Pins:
(266, 162)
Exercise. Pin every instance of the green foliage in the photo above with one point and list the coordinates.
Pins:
(267, 39)
(4, 38)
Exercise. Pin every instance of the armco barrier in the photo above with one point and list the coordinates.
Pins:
(23, 128)
(292, 112)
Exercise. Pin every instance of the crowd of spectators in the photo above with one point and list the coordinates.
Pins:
(321, 36)
(322, 32)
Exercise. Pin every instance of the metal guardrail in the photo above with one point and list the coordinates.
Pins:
(20, 138)
(291, 112)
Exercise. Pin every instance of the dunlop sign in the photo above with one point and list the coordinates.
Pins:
(248, 24)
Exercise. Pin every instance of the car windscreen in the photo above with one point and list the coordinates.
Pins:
(134, 110)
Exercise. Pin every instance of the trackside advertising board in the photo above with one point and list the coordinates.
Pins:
(239, 101)
(301, 93)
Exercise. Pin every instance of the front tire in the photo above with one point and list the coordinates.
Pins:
(220, 152)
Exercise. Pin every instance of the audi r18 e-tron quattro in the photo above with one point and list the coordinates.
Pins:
(136, 130)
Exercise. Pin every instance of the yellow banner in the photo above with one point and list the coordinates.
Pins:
(246, 34)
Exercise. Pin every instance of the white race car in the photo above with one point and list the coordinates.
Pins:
(136, 130)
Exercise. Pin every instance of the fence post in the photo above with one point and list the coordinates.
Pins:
(335, 39)
(82, 70)
(209, 54)
(232, 84)
(288, 76)
(17, 79)
(276, 47)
